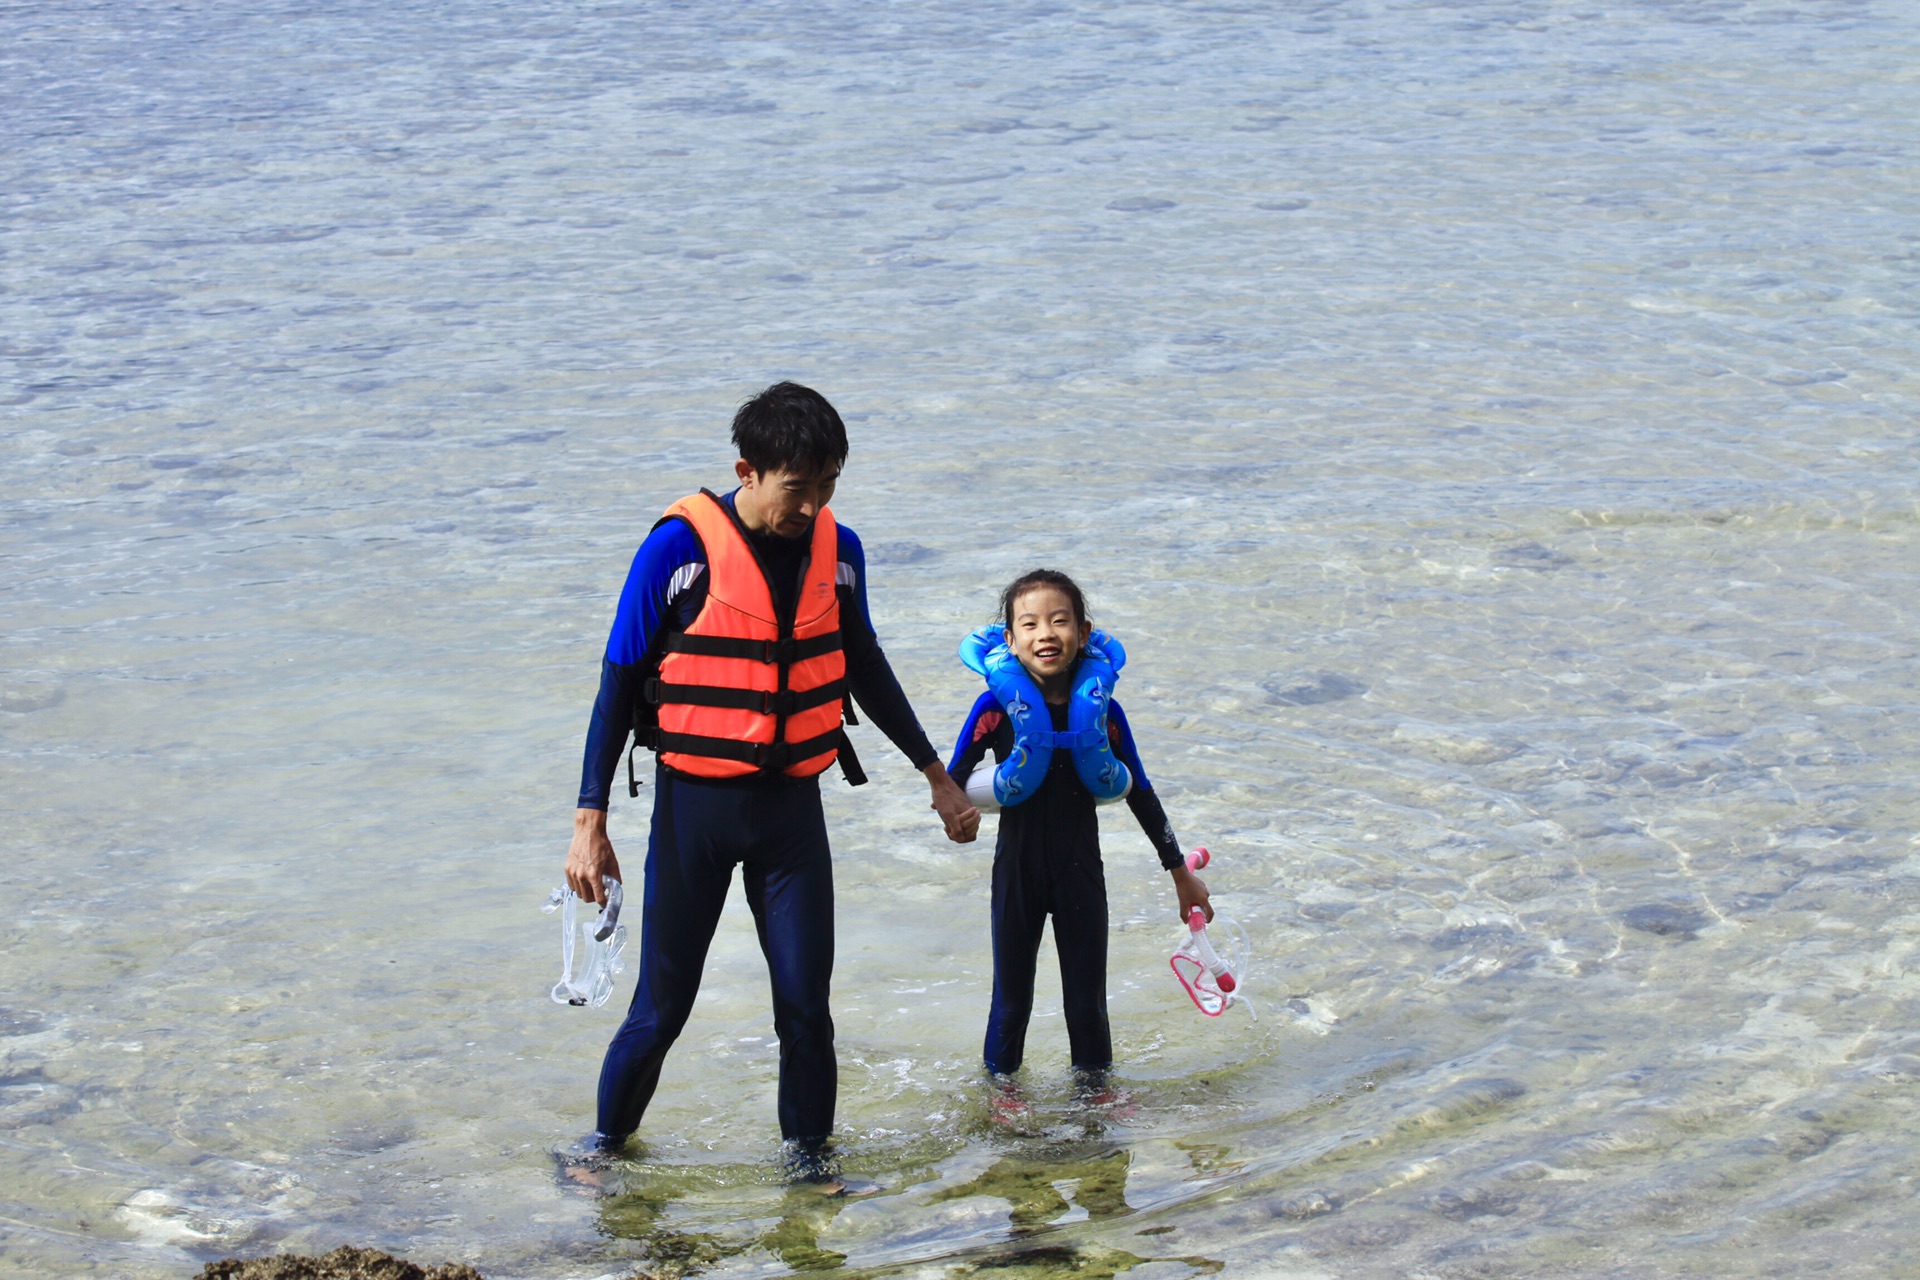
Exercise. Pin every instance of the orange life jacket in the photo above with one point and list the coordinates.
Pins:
(742, 691)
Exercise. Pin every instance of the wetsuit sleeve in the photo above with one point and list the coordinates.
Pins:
(1142, 800)
(985, 730)
(870, 677)
(668, 563)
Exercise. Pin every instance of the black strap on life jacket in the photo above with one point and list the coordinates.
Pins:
(848, 759)
(765, 702)
(770, 756)
(784, 652)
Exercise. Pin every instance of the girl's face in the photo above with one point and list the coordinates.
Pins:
(1045, 635)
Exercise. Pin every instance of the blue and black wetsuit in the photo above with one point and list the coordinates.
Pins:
(1046, 862)
(771, 826)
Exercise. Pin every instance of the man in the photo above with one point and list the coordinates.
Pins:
(742, 628)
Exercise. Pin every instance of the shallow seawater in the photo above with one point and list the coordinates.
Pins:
(1491, 427)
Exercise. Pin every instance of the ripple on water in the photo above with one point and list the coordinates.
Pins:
(21, 1022)
(900, 553)
(1468, 1100)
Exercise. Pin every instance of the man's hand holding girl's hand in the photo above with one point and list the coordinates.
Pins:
(962, 820)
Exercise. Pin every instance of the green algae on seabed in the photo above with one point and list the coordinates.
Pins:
(345, 1263)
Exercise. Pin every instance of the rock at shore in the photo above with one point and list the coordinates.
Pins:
(344, 1263)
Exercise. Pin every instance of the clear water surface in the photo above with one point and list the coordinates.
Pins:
(1491, 426)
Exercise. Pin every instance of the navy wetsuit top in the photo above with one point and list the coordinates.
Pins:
(666, 589)
(987, 729)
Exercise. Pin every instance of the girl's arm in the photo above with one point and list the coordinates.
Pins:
(985, 730)
(1142, 800)
(1188, 887)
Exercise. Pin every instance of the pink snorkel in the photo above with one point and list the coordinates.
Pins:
(1209, 981)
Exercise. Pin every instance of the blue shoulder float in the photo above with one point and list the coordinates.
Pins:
(1021, 773)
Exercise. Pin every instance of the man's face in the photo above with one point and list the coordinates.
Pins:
(782, 502)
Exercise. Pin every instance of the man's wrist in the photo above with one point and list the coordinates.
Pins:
(588, 816)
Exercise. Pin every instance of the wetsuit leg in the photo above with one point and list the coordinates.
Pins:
(1080, 936)
(1019, 916)
(689, 866)
(789, 880)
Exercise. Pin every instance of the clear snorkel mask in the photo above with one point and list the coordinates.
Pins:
(603, 939)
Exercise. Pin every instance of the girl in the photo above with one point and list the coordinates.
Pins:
(1052, 759)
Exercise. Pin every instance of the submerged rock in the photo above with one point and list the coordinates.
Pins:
(1311, 689)
(1306, 1204)
(1531, 555)
(24, 698)
(345, 1263)
(1665, 921)
(1473, 1202)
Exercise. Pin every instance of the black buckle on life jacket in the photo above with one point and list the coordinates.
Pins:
(771, 755)
(786, 652)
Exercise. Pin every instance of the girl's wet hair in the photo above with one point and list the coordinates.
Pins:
(1043, 578)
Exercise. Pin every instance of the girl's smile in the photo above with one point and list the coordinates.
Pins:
(1047, 636)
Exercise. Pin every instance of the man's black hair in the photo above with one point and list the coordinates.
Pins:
(789, 427)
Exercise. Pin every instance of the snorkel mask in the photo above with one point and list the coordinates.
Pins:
(603, 939)
(1214, 983)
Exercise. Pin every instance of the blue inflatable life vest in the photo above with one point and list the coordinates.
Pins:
(1034, 738)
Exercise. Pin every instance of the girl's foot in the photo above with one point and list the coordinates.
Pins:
(1007, 1105)
(1096, 1091)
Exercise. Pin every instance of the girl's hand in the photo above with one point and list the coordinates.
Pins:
(957, 813)
(1193, 893)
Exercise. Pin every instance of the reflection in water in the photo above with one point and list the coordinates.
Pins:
(1043, 1190)
(1020, 1214)
(644, 1214)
